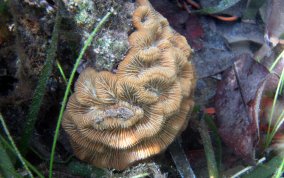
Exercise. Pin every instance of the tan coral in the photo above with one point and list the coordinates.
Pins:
(115, 120)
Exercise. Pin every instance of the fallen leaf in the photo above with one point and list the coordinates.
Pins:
(214, 57)
(237, 105)
(221, 6)
(212, 54)
(275, 19)
(271, 59)
(252, 8)
(241, 31)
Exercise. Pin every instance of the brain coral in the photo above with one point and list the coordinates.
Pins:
(115, 120)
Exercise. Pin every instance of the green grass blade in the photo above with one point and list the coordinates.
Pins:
(270, 134)
(6, 167)
(208, 148)
(68, 87)
(218, 150)
(14, 146)
(61, 71)
(34, 169)
(281, 85)
(276, 61)
(279, 171)
(40, 89)
(265, 170)
(278, 124)
(180, 159)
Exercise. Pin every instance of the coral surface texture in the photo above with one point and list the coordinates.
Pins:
(115, 120)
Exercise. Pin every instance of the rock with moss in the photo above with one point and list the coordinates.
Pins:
(111, 43)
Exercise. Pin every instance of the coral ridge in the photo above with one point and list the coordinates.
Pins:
(115, 120)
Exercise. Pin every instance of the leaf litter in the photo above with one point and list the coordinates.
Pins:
(228, 49)
(237, 105)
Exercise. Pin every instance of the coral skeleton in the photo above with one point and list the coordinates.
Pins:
(116, 120)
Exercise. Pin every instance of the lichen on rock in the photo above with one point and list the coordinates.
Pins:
(111, 42)
(115, 120)
(109, 49)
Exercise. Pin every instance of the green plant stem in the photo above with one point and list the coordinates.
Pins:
(279, 171)
(278, 124)
(270, 134)
(209, 152)
(181, 162)
(217, 139)
(265, 170)
(15, 147)
(61, 71)
(6, 166)
(68, 87)
(34, 169)
(275, 128)
(40, 89)
(276, 61)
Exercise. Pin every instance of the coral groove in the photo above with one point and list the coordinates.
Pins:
(115, 120)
